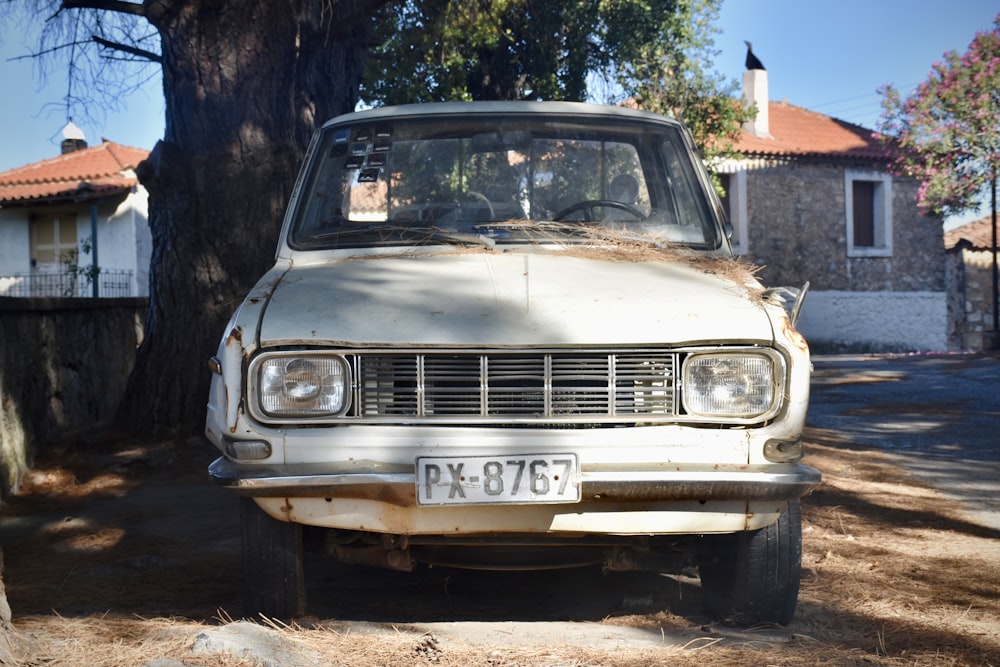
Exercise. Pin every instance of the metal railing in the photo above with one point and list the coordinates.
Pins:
(111, 283)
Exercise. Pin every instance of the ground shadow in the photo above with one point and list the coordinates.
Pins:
(444, 594)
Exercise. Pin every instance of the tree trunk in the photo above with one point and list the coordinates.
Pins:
(7, 635)
(245, 85)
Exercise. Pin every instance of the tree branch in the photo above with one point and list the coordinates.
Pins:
(135, 51)
(43, 52)
(119, 6)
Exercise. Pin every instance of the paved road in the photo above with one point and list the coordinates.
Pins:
(938, 414)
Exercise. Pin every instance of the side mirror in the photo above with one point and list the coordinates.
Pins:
(782, 295)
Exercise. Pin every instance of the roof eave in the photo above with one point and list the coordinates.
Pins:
(73, 197)
(834, 156)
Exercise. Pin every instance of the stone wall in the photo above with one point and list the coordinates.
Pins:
(63, 366)
(970, 298)
(798, 231)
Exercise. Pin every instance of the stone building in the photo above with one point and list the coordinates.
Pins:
(811, 200)
(970, 258)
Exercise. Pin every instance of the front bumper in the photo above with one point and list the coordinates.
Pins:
(397, 485)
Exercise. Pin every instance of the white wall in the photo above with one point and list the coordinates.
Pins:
(15, 246)
(877, 321)
(124, 241)
(142, 240)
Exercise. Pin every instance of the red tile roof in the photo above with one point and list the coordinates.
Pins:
(82, 174)
(979, 233)
(799, 132)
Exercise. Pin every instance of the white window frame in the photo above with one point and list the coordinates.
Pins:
(882, 214)
(738, 209)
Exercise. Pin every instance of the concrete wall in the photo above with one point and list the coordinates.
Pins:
(63, 366)
(124, 238)
(15, 244)
(839, 321)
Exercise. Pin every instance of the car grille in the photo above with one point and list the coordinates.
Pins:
(613, 386)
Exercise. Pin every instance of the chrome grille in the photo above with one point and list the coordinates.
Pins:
(516, 386)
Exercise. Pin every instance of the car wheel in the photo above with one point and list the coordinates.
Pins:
(274, 585)
(753, 577)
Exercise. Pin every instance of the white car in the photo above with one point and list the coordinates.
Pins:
(511, 335)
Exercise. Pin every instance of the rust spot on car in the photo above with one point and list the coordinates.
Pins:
(235, 336)
(792, 334)
(390, 495)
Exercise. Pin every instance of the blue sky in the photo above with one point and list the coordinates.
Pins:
(827, 56)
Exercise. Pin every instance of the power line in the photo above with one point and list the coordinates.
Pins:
(907, 87)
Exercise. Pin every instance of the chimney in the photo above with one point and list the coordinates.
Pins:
(73, 138)
(755, 92)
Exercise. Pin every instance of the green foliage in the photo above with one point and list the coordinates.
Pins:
(655, 53)
(439, 50)
(71, 261)
(668, 70)
(947, 129)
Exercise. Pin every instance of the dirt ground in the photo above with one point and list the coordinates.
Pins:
(119, 553)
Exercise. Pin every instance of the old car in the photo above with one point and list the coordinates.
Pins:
(512, 335)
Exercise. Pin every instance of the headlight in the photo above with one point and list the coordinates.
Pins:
(300, 385)
(738, 385)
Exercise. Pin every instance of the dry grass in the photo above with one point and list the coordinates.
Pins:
(893, 575)
(601, 243)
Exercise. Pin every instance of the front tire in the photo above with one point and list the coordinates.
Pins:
(274, 585)
(753, 577)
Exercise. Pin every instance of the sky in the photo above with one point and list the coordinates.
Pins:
(830, 57)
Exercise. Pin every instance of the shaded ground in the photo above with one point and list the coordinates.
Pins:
(119, 553)
(937, 414)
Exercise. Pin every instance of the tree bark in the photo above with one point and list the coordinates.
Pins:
(245, 86)
(7, 634)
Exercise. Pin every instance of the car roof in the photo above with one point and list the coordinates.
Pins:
(430, 109)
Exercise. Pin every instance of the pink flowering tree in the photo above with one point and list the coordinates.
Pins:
(948, 128)
(948, 133)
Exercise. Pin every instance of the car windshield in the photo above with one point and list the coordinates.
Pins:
(522, 178)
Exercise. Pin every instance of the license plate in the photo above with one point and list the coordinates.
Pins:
(482, 480)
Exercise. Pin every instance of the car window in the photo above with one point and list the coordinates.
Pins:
(514, 180)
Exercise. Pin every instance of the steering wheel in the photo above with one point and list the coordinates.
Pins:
(589, 205)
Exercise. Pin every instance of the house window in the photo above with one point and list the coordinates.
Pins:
(869, 214)
(53, 240)
(734, 202)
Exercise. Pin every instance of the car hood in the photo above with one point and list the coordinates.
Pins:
(493, 299)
